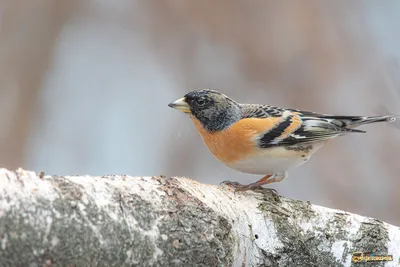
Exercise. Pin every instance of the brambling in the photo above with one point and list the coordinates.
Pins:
(263, 139)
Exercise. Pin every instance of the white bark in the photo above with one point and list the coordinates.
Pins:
(157, 221)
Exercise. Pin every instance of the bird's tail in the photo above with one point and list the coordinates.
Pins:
(355, 121)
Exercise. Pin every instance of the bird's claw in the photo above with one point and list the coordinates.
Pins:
(254, 187)
(263, 189)
(229, 183)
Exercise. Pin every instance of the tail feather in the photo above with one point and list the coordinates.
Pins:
(355, 121)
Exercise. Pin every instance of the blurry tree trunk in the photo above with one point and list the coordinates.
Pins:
(157, 221)
(28, 32)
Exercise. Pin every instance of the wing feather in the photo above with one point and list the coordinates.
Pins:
(294, 128)
(298, 127)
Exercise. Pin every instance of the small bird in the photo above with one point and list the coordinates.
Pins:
(263, 139)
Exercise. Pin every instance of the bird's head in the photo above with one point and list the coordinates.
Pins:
(214, 110)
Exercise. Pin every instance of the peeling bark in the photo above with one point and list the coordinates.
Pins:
(157, 221)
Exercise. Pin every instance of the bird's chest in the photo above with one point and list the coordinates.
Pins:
(237, 148)
(230, 145)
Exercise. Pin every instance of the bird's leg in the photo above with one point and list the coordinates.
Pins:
(275, 178)
(263, 181)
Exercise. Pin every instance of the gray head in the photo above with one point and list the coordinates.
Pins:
(213, 109)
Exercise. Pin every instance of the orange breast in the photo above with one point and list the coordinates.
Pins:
(238, 141)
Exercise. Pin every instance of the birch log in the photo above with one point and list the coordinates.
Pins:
(157, 221)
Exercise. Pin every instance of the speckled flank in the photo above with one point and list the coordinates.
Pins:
(302, 148)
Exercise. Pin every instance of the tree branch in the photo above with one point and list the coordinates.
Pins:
(156, 221)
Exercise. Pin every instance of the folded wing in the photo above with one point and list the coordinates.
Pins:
(298, 127)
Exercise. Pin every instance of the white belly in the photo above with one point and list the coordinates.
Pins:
(274, 160)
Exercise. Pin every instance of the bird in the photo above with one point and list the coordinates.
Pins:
(262, 139)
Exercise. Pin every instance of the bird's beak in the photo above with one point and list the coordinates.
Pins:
(180, 105)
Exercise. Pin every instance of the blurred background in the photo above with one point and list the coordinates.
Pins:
(84, 87)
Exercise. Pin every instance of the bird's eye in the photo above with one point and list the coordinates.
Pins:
(201, 101)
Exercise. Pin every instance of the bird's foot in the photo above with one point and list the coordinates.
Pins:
(241, 187)
(257, 186)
